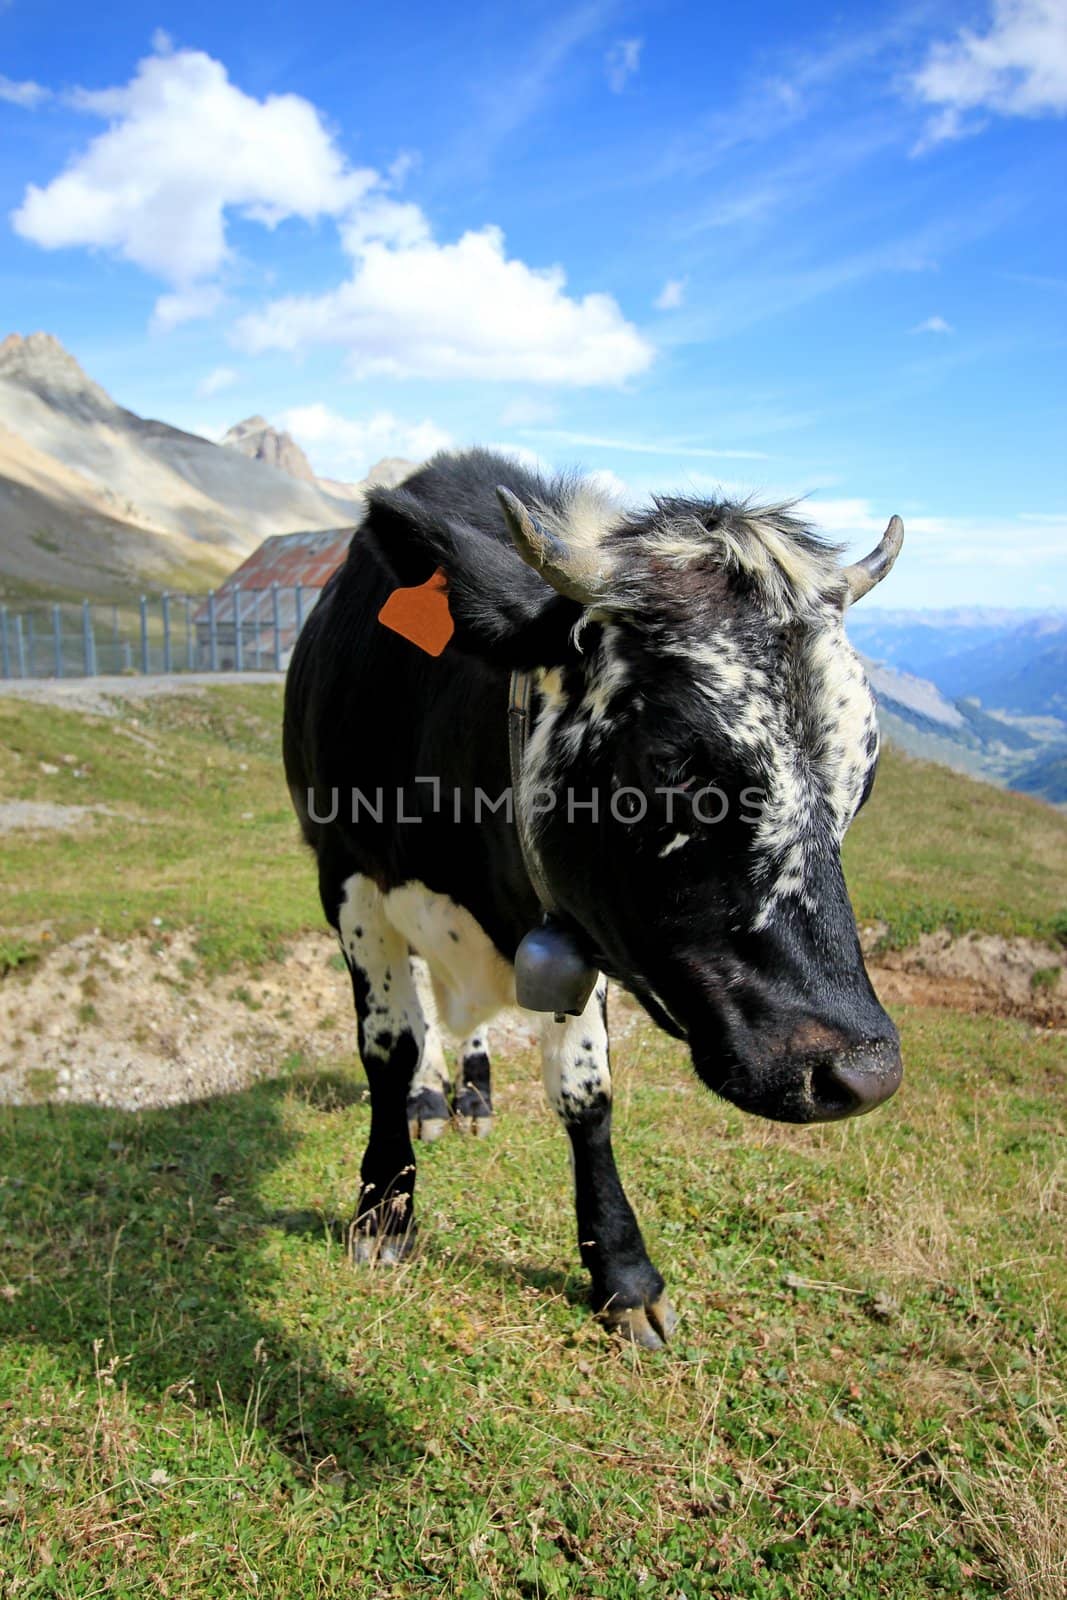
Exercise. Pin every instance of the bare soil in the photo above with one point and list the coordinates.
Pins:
(135, 1023)
(982, 973)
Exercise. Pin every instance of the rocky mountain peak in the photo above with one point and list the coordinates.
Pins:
(388, 472)
(39, 362)
(255, 438)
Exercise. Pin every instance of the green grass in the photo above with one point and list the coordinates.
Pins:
(933, 849)
(201, 1397)
(199, 831)
(203, 835)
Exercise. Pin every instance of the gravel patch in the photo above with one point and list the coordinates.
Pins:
(41, 816)
(106, 696)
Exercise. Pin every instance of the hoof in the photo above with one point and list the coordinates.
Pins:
(478, 1125)
(649, 1326)
(427, 1129)
(473, 1110)
(380, 1249)
(427, 1115)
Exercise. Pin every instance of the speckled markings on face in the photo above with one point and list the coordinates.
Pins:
(817, 766)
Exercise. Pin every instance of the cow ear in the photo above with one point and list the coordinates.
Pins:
(502, 611)
(542, 639)
(392, 531)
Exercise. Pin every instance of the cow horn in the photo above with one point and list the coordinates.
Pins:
(542, 549)
(862, 576)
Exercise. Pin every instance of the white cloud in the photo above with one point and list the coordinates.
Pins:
(933, 325)
(622, 62)
(947, 541)
(609, 483)
(671, 295)
(417, 308)
(185, 149)
(183, 146)
(1017, 68)
(347, 447)
(613, 486)
(648, 447)
(216, 381)
(196, 301)
(527, 411)
(530, 459)
(26, 94)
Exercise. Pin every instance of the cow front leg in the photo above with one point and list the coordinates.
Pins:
(628, 1292)
(474, 1102)
(392, 1033)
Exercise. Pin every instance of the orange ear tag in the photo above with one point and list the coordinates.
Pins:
(421, 615)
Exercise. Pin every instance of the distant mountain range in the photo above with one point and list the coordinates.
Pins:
(97, 501)
(982, 690)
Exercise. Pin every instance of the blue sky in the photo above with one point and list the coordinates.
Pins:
(789, 249)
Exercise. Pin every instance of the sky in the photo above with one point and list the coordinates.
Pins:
(689, 246)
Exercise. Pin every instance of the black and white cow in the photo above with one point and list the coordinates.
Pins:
(702, 735)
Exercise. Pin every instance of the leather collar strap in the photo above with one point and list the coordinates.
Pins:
(520, 700)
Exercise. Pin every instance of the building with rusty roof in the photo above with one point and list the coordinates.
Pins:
(253, 619)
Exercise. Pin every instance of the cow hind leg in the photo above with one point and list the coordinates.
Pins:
(392, 1033)
(428, 1094)
(473, 1103)
(628, 1292)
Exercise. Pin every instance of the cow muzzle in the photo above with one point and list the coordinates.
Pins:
(849, 1083)
(809, 1081)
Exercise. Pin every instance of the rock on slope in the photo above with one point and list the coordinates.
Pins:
(255, 438)
(96, 500)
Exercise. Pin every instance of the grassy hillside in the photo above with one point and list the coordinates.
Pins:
(200, 1398)
(933, 849)
(865, 1396)
(196, 830)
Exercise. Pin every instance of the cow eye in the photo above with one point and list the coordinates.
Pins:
(675, 772)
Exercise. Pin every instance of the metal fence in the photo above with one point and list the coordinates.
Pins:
(232, 629)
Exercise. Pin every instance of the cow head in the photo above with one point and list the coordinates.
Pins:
(697, 758)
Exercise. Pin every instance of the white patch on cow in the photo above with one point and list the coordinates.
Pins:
(607, 678)
(432, 1071)
(679, 841)
(375, 947)
(761, 543)
(817, 773)
(846, 705)
(587, 513)
(574, 1059)
(471, 980)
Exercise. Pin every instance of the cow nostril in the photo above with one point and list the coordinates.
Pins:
(861, 1079)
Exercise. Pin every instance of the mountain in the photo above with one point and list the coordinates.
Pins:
(97, 501)
(255, 438)
(1022, 669)
(914, 715)
(1008, 661)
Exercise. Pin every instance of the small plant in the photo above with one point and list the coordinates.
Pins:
(16, 955)
(246, 997)
(1045, 979)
